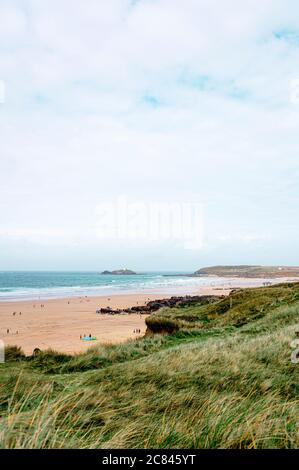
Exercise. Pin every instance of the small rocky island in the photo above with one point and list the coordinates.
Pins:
(120, 272)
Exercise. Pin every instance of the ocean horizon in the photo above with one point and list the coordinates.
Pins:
(26, 285)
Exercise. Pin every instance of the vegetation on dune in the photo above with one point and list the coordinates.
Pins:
(224, 378)
(241, 307)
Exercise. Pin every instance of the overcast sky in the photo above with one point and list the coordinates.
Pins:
(190, 101)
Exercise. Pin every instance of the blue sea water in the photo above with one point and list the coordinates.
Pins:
(49, 284)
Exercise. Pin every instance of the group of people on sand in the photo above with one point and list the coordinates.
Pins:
(84, 336)
(137, 330)
(8, 331)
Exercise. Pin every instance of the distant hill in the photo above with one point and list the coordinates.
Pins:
(119, 272)
(249, 271)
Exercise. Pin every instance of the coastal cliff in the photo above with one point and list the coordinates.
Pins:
(249, 271)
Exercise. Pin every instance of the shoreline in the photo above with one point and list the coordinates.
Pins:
(210, 282)
(58, 323)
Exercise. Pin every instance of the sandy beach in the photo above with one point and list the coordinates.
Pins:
(58, 323)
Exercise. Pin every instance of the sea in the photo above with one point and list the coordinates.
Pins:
(26, 285)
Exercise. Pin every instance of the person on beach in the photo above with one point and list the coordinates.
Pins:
(7, 331)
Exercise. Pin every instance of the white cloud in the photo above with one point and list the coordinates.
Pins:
(76, 127)
(13, 23)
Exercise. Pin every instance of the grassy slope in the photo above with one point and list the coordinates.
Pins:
(242, 306)
(224, 379)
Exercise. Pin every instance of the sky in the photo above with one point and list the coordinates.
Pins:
(192, 103)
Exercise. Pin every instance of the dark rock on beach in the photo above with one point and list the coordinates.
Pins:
(154, 305)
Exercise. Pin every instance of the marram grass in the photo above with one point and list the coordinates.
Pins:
(218, 385)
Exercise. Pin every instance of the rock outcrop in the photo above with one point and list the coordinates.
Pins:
(154, 305)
